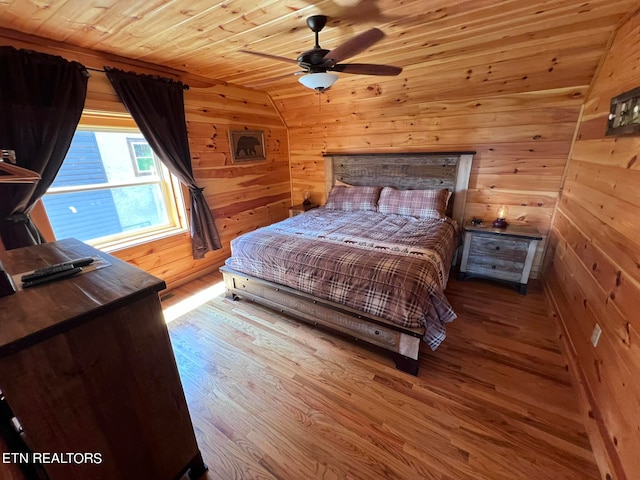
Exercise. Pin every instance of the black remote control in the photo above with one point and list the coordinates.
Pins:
(50, 278)
(57, 268)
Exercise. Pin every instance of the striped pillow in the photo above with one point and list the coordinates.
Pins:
(414, 203)
(353, 198)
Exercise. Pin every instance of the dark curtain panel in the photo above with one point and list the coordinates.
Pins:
(157, 106)
(41, 101)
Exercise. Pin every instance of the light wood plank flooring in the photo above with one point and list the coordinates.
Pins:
(274, 398)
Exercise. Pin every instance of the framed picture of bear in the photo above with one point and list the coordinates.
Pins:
(247, 145)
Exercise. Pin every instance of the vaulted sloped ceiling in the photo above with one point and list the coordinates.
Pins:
(447, 49)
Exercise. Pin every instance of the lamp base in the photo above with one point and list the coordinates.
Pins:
(500, 223)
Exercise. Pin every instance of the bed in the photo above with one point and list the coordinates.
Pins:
(374, 261)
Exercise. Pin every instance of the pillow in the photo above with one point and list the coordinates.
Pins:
(415, 203)
(353, 198)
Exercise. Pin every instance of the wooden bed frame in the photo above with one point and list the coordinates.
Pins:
(403, 171)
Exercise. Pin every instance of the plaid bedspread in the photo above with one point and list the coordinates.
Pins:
(392, 266)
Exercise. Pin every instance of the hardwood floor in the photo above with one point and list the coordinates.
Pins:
(274, 398)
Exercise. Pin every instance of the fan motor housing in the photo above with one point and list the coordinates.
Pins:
(312, 58)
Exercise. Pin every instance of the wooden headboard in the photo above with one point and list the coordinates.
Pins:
(405, 171)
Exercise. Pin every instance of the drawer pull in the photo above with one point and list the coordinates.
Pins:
(497, 248)
(493, 267)
(377, 332)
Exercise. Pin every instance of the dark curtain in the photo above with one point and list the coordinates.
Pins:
(41, 101)
(157, 106)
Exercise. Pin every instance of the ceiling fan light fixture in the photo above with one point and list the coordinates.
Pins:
(318, 81)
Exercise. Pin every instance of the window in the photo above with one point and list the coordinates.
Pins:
(112, 190)
(144, 161)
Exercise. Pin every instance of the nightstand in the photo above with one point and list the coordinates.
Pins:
(301, 208)
(504, 254)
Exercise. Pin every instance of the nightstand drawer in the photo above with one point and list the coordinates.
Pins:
(514, 250)
(495, 268)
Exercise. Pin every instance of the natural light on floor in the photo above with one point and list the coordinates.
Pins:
(193, 302)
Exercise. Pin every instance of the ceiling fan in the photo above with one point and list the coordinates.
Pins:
(317, 62)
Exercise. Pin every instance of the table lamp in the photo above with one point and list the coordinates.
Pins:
(501, 221)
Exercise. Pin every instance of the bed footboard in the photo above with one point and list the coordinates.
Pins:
(403, 342)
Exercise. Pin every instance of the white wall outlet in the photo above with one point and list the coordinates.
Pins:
(595, 336)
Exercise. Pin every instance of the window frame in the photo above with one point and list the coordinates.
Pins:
(173, 192)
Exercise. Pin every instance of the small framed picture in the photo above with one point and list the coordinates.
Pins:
(247, 145)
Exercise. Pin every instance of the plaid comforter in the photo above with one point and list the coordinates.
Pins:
(392, 266)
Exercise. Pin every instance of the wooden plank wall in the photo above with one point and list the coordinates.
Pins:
(522, 138)
(593, 275)
(242, 197)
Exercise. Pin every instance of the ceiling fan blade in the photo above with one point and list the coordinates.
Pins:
(353, 46)
(271, 57)
(367, 69)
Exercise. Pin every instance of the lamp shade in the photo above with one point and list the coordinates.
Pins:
(318, 81)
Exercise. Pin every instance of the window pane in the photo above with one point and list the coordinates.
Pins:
(140, 206)
(99, 213)
(145, 164)
(142, 150)
(82, 215)
(83, 164)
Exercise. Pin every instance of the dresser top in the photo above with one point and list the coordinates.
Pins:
(510, 231)
(42, 311)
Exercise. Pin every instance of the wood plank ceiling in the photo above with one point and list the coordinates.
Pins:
(430, 39)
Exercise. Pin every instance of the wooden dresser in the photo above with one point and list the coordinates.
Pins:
(86, 365)
(504, 254)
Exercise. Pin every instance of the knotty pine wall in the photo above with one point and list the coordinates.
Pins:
(522, 138)
(242, 197)
(593, 274)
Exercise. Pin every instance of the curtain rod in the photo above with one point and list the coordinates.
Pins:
(102, 70)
